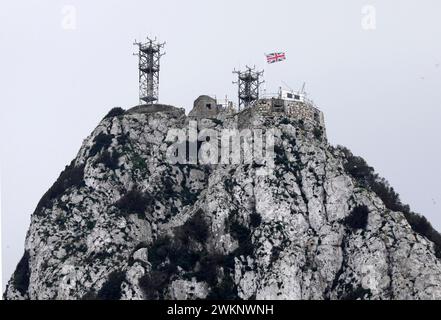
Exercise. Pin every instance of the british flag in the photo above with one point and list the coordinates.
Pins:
(275, 57)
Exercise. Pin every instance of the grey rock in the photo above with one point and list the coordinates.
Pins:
(188, 231)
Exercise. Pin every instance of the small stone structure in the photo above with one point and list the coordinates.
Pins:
(295, 109)
(207, 107)
(302, 111)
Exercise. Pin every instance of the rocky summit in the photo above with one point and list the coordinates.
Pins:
(122, 222)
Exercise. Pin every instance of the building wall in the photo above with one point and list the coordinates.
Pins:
(205, 107)
(293, 109)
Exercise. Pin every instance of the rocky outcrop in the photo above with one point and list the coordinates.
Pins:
(123, 223)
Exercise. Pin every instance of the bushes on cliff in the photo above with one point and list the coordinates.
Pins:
(358, 293)
(117, 111)
(109, 159)
(101, 141)
(159, 251)
(153, 283)
(135, 202)
(22, 274)
(358, 168)
(358, 218)
(366, 177)
(111, 289)
(420, 225)
(255, 219)
(280, 156)
(185, 249)
(179, 250)
(243, 235)
(224, 290)
(318, 133)
(72, 176)
(196, 228)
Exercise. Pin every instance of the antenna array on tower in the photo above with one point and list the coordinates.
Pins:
(248, 82)
(149, 55)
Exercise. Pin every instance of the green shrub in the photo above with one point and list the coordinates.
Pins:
(109, 159)
(153, 284)
(117, 111)
(390, 198)
(159, 251)
(240, 232)
(111, 289)
(188, 197)
(358, 293)
(22, 274)
(72, 176)
(284, 121)
(178, 250)
(196, 227)
(358, 168)
(419, 223)
(100, 256)
(255, 219)
(228, 184)
(275, 253)
(186, 258)
(101, 141)
(243, 236)
(280, 156)
(217, 121)
(90, 295)
(423, 227)
(90, 224)
(358, 218)
(318, 133)
(366, 177)
(187, 249)
(138, 162)
(135, 202)
(208, 265)
(225, 290)
(167, 253)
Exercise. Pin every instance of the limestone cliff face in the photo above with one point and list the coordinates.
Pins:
(123, 223)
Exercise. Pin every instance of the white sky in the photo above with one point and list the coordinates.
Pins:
(379, 89)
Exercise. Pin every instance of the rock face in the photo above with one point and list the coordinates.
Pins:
(123, 223)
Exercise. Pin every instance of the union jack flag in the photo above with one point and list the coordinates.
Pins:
(275, 57)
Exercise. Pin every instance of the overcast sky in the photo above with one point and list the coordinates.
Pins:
(64, 64)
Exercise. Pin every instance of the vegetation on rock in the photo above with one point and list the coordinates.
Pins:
(367, 178)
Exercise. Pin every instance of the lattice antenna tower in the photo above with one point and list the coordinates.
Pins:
(149, 53)
(248, 82)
